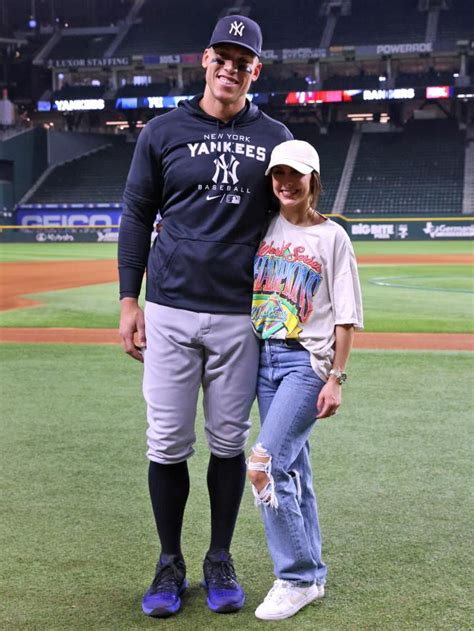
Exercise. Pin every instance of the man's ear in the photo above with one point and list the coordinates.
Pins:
(206, 58)
(256, 72)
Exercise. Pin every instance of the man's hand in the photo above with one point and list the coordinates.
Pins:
(329, 399)
(132, 328)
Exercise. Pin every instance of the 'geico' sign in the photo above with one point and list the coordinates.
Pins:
(67, 220)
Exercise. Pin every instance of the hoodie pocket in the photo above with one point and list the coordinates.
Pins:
(209, 272)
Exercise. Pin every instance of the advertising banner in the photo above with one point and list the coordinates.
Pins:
(101, 222)
(100, 217)
(408, 228)
(57, 235)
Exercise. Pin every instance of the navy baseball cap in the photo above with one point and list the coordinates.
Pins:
(239, 30)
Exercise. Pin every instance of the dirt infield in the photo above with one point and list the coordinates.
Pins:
(396, 341)
(18, 279)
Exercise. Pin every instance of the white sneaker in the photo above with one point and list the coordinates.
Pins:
(285, 599)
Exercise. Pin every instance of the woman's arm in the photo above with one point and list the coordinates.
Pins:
(330, 396)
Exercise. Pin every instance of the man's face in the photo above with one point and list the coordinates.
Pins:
(230, 70)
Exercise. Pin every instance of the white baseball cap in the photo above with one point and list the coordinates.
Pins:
(297, 154)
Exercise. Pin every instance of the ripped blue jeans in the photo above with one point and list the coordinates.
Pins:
(287, 390)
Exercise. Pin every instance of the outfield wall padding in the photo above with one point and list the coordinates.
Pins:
(104, 227)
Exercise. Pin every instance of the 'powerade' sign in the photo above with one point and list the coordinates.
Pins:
(397, 49)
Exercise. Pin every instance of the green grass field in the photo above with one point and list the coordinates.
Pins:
(75, 251)
(416, 298)
(14, 252)
(393, 471)
(383, 248)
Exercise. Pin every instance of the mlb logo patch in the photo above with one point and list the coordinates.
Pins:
(232, 199)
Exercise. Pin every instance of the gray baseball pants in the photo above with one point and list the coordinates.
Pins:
(185, 350)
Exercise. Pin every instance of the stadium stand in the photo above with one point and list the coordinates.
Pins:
(152, 35)
(195, 87)
(418, 170)
(299, 23)
(384, 161)
(332, 148)
(369, 24)
(455, 24)
(412, 79)
(362, 81)
(81, 46)
(270, 81)
(79, 92)
(74, 13)
(95, 178)
(151, 89)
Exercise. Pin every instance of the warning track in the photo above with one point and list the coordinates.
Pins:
(387, 341)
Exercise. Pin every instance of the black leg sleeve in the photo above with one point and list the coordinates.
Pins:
(169, 490)
(225, 481)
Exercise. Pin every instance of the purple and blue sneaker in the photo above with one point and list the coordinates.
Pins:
(224, 594)
(163, 597)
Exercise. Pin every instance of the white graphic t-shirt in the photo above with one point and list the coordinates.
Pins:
(306, 282)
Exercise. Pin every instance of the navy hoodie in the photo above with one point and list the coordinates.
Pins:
(207, 180)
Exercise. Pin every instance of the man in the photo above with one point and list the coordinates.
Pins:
(203, 166)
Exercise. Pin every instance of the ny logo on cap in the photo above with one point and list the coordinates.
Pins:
(237, 28)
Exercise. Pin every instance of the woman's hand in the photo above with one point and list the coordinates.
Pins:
(329, 399)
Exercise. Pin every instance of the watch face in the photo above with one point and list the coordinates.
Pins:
(339, 375)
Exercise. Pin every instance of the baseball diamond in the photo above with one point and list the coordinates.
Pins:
(18, 280)
(236, 314)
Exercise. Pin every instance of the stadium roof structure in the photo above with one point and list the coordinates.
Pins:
(165, 32)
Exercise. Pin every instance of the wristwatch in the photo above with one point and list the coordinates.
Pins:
(340, 375)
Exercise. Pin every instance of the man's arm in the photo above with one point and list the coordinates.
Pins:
(141, 202)
(133, 250)
(132, 327)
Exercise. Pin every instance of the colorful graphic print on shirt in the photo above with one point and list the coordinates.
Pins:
(286, 279)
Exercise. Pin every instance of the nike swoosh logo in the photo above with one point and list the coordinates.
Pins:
(209, 197)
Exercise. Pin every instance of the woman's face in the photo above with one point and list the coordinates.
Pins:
(291, 188)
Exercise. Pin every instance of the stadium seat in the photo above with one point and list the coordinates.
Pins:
(96, 178)
(419, 170)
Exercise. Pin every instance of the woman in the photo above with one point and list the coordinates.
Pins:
(306, 304)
